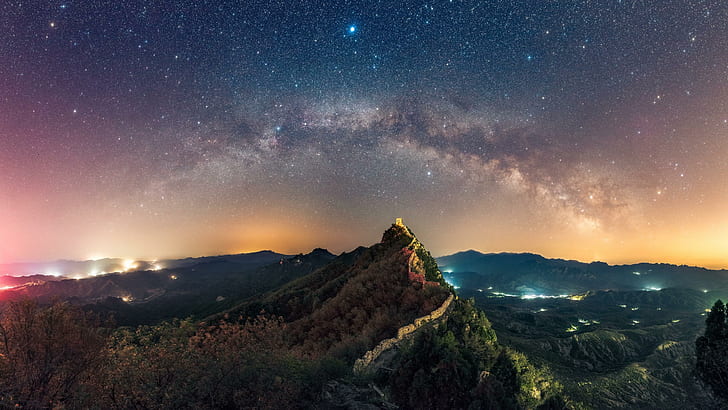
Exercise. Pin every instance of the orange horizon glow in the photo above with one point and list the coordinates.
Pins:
(558, 136)
(291, 240)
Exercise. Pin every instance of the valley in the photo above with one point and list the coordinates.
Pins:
(613, 340)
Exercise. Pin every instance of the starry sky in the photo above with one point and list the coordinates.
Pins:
(591, 130)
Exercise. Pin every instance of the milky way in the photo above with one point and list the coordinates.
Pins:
(579, 129)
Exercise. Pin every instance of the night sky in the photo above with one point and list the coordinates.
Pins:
(591, 130)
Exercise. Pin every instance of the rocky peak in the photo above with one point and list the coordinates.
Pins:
(398, 233)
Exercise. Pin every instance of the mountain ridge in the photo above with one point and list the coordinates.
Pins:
(532, 274)
(288, 334)
(475, 252)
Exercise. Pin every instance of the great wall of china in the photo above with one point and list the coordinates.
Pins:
(414, 265)
(402, 333)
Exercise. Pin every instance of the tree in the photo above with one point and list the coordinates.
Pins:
(47, 354)
(183, 365)
(712, 351)
(715, 326)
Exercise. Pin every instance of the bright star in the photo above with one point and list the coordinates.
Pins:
(352, 29)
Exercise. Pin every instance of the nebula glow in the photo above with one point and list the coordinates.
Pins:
(578, 130)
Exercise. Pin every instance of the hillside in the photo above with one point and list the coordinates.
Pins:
(612, 337)
(436, 355)
(377, 327)
(200, 290)
(195, 287)
(346, 307)
(527, 273)
(87, 268)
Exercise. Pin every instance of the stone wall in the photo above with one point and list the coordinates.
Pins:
(414, 265)
(402, 333)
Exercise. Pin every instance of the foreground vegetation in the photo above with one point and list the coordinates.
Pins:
(292, 347)
(459, 364)
(712, 351)
(59, 357)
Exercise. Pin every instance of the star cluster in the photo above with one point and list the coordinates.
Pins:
(576, 129)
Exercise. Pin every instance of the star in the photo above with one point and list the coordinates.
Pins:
(364, 110)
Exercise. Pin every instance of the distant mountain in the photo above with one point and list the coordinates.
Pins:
(531, 274)
(13, 281)
(211, 286)
(614, 336)
(83, 269)
(73, 269)
(193, 286)
(253, 258)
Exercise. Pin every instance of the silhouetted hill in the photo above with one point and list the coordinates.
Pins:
(361, 297)
(389, 306)
(212, 286)
(12, 281)
(197, 286)
(89, 268)
(615, 336)
(526, 273)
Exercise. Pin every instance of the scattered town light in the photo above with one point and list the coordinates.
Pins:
(130, 264)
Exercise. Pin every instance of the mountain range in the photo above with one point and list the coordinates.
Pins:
(383, 326)
(531, 274)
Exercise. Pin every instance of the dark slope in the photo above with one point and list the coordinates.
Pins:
(287, 335)
(613, 344)
(361, 298)
(525, 273)
(199, 287)
(82, 269)
(208, 288)
(346, 307)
